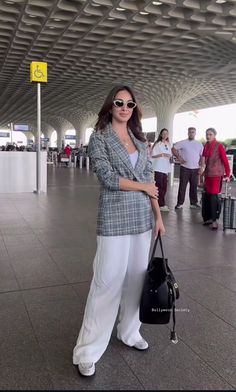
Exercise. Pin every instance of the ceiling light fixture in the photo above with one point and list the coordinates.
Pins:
(144, 13)
(57, 20)
(156, 2)
(220, 1)
(120, 9)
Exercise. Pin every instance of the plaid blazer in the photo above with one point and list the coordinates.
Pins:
(120, 212)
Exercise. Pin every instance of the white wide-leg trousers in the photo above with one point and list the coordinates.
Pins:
(119, 269)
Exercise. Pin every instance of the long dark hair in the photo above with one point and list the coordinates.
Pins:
(159, 139)
(105, 116)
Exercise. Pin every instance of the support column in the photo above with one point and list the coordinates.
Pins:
(60, 125)
(30, 135)
(82, 134)
(60, 138)
(47, 131)
(169, 97)
(47, 134)
(78, 138)
(165, 119)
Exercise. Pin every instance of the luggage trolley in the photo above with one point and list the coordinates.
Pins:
(64, 160)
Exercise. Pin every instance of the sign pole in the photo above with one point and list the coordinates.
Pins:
(38, 155)
(38, 74)
(11, 131)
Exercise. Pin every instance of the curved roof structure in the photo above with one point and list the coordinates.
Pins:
(179, 54)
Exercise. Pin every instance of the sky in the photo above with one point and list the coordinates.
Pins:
(222, 118)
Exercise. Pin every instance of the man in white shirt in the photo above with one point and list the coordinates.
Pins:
(188, 152)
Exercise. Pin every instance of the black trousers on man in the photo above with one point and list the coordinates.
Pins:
(191, 176)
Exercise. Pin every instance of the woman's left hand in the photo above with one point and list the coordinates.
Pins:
(159, 228)
(227, 179)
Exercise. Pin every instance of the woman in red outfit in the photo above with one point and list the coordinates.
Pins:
(214, 165)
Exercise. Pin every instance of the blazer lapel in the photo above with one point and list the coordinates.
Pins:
(117, 146)
(141, 147)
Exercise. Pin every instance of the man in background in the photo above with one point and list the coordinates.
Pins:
(188, 152)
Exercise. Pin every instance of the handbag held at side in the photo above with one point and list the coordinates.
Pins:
(159, 293)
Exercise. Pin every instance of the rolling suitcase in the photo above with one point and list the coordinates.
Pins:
(229, 210)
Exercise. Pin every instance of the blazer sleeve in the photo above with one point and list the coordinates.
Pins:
(149, 174)
(100, 163)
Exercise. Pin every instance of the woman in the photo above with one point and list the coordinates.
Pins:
(214, 165)
(161, 154)
(119, 157)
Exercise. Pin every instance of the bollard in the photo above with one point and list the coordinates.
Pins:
(87, 163)
(81, 162)
(171, 174)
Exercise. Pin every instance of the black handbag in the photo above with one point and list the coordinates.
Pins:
(159, 293)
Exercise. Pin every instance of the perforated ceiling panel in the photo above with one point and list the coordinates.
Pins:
(180, 53)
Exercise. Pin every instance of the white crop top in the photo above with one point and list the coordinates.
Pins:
(134, 158)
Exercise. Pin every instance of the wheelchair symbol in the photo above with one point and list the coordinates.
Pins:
(38, 73)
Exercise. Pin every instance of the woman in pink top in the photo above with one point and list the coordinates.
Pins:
(214, 165)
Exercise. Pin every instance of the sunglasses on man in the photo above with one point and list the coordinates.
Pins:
(119, 103)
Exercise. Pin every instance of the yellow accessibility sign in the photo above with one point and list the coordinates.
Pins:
(38, 72)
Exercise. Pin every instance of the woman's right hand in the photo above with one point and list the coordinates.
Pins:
(159, 228)
(151, 189)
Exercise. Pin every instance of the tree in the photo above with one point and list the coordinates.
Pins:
(227, 142)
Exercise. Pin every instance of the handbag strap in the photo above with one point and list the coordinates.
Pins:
(162, 254)
(155, 246)
(173, 334)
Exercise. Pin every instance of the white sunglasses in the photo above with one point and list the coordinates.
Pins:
(119, 103)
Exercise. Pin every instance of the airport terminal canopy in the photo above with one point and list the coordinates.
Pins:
(178, 55)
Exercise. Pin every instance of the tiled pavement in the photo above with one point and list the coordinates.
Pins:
(47, 245)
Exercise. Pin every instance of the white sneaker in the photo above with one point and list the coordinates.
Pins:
(195, 206)
(141, 345)
(178, 206)
(164, 208)
(86, 368)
